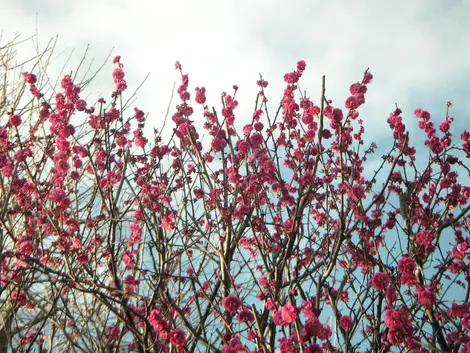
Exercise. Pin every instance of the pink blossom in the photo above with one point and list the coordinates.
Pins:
(82, 259)
(198, 193)
(424, 238)
(367, 78)
(57, 195)
(399, 324)
(426, 296)
(262, 83)
(380, 281)
(337, 115)
(113, 332)
(256, 140)
(246, 316)
(445, 126)
(15, 120)
(354, 88)
(406, 265)
(135, 228)
(278, 320)
(140, 141)
(18, 297)
(458, 310)
(301, 65)
(35, 92)
(345, 322)
(466, 321)
(218, 144)
(356, 192)
(292, 77)
(287, 345)
(200, 95)
(258, 126)
(326, 134)
(136, 234)
(158, 322)
(177, 337)
(72, 225)
(458, 253)
(29, 78)
(312, 327)
(167, 222)
(269, 304)
(80, 105)
(351, 102)
(324, 333)
(118, 74)
(232, 303)
(25, 246)
(409, 279)
(288, 313)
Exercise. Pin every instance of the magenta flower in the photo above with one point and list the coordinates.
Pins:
(406, 265)
(380, 281)
(246, 316)
(177, 337)
(29, 78)
(288, 313)
(232, 303)
(15, 120)
(426, 296)
(346, 322)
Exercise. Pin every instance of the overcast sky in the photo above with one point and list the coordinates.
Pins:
(418, 51)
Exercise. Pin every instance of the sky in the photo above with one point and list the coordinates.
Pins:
(417, 50)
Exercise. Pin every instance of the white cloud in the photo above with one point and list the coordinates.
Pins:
(411, 47)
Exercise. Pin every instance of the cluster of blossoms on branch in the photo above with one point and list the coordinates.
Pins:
(269, 237)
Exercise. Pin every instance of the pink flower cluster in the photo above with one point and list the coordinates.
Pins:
(380, 281)
(285, 316)
(232, 303)
(267, 180)
(400, 328)
(161, 326)
(118, 77)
